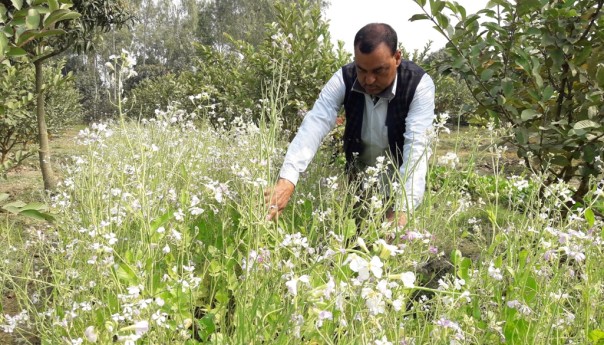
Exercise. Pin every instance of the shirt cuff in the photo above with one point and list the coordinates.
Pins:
(289, 173)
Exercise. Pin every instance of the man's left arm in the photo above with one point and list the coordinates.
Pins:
(416, 150)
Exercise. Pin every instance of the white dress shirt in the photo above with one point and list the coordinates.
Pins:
(321, 119)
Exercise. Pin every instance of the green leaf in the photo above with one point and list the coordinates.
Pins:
(548, 92)
(420, 16)
(596, 336)
(436, 6)
(560, 161)
(3, 45)
(17, 3)
(53, 32)
(126, 274)
(590, 217)
(37, 206)
(530, 289)
(206, 326)
(54, 17)
(70, 16)
(4, 196)
(15, 205)
(35, 214)
(3, 17)
(487, 74)
(33, 19)
(456, 257)
(422, 3)
(522, 135)
(53, 5)
(464, 269)
(527, 6)
(16, 52)
(159, 221)
(600, 76)
(26, 36)
(529, 114)
(507, 87)
(585, 124)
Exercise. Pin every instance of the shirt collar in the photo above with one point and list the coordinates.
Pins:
(388, 93)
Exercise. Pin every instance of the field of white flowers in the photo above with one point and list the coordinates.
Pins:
(161, 238)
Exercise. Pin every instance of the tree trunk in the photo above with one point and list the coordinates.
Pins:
(50, 182)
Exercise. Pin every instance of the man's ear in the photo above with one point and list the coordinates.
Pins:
(397, 57)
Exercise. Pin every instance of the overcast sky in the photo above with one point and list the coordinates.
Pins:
(348, 16)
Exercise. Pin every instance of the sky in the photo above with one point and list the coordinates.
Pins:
(348, 16)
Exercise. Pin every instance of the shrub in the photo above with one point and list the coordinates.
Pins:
(536, 65)
(18, 124)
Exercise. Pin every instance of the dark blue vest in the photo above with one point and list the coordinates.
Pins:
(409, 76)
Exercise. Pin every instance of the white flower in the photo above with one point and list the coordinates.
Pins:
(141, 327)
(374, 301)
(521, 307)
(324, 315)
(494, 272)
(375, 266)
(330, 288)
(383, 288)
(134, 291)
(397, 304)
(166, 249)
(91, 334)
(450, 159)
(383, 341)
(408, 279)
(292, 284)
(360, 266)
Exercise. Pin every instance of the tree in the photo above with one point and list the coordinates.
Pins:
(36, 31)
(296, 47)
(453, 96)
(535, 64)
(241, 19)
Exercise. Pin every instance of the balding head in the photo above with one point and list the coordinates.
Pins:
(372, 35)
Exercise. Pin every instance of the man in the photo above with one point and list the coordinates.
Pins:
(389, 107)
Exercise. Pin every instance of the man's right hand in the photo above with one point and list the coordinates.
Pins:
(277, 197)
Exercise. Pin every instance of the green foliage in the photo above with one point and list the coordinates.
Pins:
(31, 29)
(300, 40)
(158, 92)
(537, 66)
(243, 20)
(297, 47)
(62, 99)
(18, 126)
(452, 94)
(17, 122)
(34, 210)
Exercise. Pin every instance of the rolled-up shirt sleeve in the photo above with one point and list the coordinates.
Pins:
(317, 123)
(416, 150)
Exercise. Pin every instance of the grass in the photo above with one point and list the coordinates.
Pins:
(161, 239)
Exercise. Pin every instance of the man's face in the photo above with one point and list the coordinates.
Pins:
(376, 70)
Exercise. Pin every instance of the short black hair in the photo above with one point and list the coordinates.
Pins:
(371, 35)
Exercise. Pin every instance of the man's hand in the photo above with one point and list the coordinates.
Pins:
(277, 197)
(402, 217)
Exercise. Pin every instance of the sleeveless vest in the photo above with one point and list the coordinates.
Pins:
(409, 76)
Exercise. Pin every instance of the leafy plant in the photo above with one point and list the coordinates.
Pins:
(535, 65)
(33, 210)
(296, 47)
(18, 126)
(36, 31)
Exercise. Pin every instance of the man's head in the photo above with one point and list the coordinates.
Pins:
(376, 57)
